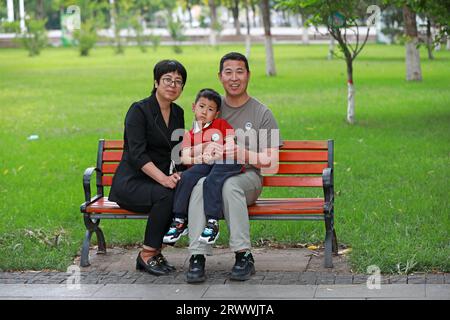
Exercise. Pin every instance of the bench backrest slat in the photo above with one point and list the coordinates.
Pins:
(301, 163)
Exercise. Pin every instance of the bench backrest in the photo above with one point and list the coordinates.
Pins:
(301, 163)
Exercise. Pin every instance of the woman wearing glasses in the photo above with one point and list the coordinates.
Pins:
(146, 176)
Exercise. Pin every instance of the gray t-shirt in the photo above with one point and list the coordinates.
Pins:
(254, 124)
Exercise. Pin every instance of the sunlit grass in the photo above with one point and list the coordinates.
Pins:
(391, 170)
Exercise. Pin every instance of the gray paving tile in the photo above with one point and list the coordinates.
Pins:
(361, 291)
(308, 278)
(435, 278)
(416, 279)
(47, 290)
(229, 291)
(343, 279)
(153, 291)
(398, 279)
(438, 291)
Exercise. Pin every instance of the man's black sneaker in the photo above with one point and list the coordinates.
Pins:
(210, 233)
(196, 272)
(244, 266)
(177, 229)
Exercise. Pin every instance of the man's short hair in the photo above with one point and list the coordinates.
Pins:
(233, 56)
(167, 66)
(210, 94)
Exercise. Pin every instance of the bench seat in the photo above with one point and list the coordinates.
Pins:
(302, 164)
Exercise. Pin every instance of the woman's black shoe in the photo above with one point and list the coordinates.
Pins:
(163, 261)
(152, 266)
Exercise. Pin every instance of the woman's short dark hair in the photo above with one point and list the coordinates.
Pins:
(167, 66)
(233, 56)
(210, 94)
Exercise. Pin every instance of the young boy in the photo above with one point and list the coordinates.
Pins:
(207, 128)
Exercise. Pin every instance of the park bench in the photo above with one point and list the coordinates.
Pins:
(301, 164)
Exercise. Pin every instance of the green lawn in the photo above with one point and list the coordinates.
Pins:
(391, 172)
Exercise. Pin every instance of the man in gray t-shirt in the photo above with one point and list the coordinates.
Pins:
(257, 146)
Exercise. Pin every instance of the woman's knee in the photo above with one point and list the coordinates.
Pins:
(163, 194)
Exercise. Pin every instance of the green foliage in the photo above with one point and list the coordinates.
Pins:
(393, 20)
(155, 40)
(176, 33)
(86, 37)
(34, 39)
(10, 27)
(136, 24)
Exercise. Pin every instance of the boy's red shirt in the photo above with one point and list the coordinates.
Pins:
(216, 132)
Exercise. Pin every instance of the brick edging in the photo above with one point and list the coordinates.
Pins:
(219, 277)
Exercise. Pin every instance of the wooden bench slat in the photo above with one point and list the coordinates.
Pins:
(291, 181)
(301, 168)
(107, 181)
(284, 168)
(305, 145)
(109, 168)
(269, 181)
(113, 145)
(320, 156)
(261, 207)
(112, 156)
(287, 145)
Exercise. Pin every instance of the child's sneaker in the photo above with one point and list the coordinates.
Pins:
(177, 229)
(210, 233)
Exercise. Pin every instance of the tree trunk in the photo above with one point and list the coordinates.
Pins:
(448, 43)
(10, 8)
(40, 11)
(188, 8)
(254, 14)
(213, 12)
(413, 70)
(351, 93)
(235, 10)
(305, 36)
(331, 48)
(248, 38)
(429, 40)
(22, 16)
(270, 62)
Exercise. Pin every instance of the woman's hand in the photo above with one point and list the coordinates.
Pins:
(171, 181)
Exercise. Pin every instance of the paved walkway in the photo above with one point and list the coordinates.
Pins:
(280, 274)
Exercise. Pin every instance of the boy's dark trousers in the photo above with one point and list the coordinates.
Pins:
(215, 174)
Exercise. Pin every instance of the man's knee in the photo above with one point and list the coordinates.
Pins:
(232, 186)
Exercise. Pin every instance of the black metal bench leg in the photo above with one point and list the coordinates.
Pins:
(328, 242)
(335, 243)
(84, 261)
(101, 240)
(92, 226)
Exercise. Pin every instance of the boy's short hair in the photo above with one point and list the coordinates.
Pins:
(233, 56)
(210, 94)
(167, 66)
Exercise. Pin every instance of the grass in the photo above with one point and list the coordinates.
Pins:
(391, 166)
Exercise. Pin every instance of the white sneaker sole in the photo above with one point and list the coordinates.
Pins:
(170, 239)
(206, 240)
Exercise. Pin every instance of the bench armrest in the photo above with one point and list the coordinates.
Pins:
(87, 183)
(328, 189)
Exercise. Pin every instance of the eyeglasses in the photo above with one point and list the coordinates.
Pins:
(170, 82)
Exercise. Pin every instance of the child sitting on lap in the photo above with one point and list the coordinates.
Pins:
(207, 128)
